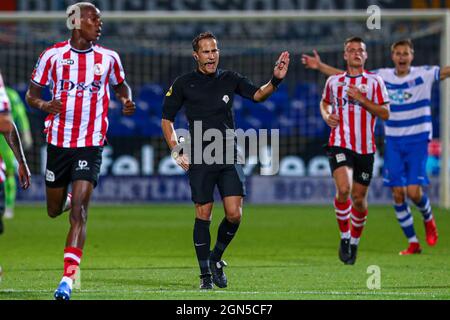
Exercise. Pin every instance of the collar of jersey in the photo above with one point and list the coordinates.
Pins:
(354, 77)
(215, 75)
(81, 51)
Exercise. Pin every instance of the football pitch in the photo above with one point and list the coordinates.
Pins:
(279, 252)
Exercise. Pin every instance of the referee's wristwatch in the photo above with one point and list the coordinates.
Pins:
(175, 155)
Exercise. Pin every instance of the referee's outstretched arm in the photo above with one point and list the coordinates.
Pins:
(279, 73)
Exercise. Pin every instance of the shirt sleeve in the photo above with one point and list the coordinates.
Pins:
(173, 101)
(117, 74)
(431, 73)
(327, 95)
(245, 88)
(4, 101)
(42, 69)
(381, 96)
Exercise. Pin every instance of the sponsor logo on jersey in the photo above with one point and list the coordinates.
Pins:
(67, 85)
(67, 62)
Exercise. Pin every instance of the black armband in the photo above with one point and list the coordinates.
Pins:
(275, 81)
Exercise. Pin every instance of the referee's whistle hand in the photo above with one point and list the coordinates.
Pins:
(183, 162)
(128, 108)
(281, 66)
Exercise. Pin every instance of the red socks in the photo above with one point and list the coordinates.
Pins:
(72, 258)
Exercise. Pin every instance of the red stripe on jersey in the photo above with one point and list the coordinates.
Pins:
(75, 134)
(64, 94)
(105, 109)
(93, 107)
(363, 121)
(341, 113)
(351, 118)
(44, 78)
(50, 117)
(372, 123)
(379, 94)
(54, 78)
(117, 72)
(328, 94)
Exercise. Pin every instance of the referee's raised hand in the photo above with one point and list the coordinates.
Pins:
(281, 66)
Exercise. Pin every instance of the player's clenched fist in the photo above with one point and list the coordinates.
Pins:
(129, 107)
(53, 106)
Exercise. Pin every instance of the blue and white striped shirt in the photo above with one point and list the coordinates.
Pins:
(410, 108)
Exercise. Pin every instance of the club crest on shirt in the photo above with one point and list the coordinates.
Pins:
(99, 69)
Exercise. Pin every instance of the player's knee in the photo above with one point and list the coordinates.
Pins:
(343, 192)
(53, 212)
(359, 202)
(234, 215)
(399, 196)
(78, 215)
(415, 195)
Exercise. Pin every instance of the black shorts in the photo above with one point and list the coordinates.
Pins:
(362, 164)
(229, 178)
(65, 165)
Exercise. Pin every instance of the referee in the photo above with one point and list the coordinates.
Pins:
(207, 94)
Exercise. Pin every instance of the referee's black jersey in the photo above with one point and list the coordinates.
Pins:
(207, 98)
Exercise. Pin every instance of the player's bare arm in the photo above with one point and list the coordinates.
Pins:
(445, 73)
(314, 62)
(332, 120)
(279, 73)
(9, 130)
(172, 141)
(379, 110)
(33, 98)
(123, 93)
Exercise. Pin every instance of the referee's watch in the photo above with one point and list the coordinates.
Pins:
(175, 155)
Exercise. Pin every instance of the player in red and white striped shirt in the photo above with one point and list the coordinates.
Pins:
(350, 104)
(9, 130)
(78, 72)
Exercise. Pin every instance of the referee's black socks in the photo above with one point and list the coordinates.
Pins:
(226, 233)
(202, 243)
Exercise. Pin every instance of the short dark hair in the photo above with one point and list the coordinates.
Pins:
(353, 39)
(201, 36)
(404, 42)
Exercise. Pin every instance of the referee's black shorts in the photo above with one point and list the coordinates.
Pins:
(229, 178)
(65, 165)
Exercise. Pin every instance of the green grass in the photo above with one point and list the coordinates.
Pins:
(280, 252)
